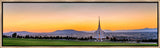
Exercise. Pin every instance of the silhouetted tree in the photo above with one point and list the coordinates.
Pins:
(90, 37)
(60, 37)
(18, 36)
(57, 37)
(5, 36)
(36, 37)
(27, 36)
(14, 35)
(51, 37)
(107, 37)
(40, 37)
(67, 38)
(31, 37)
(113, 39)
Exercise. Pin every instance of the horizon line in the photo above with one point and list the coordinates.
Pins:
(76, 30)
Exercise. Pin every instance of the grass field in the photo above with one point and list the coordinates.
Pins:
(45, 42)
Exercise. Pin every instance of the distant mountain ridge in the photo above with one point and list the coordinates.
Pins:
(77, 33)
(139, 30)
(67, 32)
(55, 33)
(134, 30)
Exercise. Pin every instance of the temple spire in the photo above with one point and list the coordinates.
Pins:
(99, 33)
(99, 25)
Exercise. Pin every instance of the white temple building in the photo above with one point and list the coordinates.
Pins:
(98, 34)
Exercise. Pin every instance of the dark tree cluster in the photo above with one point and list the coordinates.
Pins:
(54, 37)
(107, 37)
(14, 35)
(144, 40)
(113, 39)
(150, 40)
(5, 36)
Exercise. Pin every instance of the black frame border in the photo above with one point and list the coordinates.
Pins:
(87, 2)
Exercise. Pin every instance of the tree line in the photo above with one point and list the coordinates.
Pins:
(14, 35)
(143, 40)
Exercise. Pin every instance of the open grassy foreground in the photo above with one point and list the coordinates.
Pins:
(46, 42)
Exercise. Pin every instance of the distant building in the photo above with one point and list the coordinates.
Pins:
(99, 34)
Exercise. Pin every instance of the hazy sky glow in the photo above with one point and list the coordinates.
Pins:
(48, 17)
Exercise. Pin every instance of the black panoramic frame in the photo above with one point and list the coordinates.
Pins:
(87, 2)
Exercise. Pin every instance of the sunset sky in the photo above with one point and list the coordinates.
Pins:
(49, 17)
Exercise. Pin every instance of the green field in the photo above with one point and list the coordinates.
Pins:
(46, 42)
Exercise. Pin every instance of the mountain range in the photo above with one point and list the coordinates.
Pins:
(76, 33)
(135, 30)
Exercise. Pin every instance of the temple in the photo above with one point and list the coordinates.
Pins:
(98, 34)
